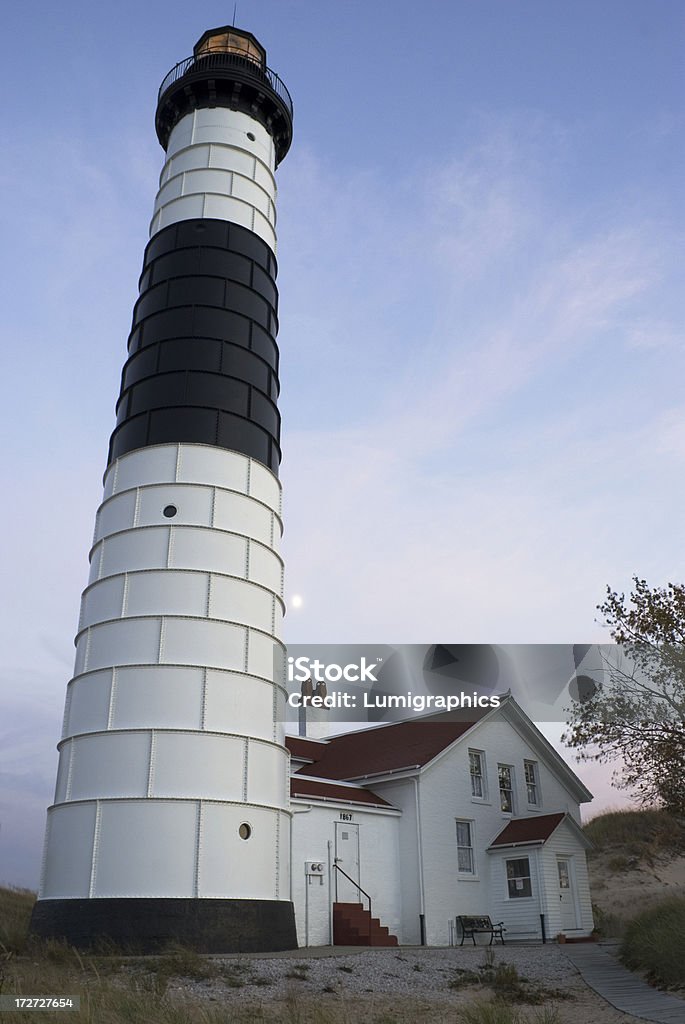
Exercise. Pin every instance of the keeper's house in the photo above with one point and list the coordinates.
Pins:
(433, 819)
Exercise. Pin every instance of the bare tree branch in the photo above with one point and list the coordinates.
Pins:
(637, 715)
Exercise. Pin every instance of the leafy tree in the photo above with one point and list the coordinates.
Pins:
(636, 715)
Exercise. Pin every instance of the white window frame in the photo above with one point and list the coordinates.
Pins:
(511, 789)
(527, 895)
(466, 873)
(480, 754)
(535, 784)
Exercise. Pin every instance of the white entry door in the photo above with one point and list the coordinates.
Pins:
(347, 858)
(567, 896)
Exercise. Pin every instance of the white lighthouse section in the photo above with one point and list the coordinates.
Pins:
(220, 164)
(173, 776)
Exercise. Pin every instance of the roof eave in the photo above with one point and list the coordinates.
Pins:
(387, 773)
(308, 798)
(513, 846)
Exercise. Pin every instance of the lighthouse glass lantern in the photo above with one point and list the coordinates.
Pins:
(242, 44)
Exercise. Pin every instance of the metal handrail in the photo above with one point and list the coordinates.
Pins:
(355, 884)
(217, 60)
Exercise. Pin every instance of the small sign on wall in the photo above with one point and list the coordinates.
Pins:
(346, 816)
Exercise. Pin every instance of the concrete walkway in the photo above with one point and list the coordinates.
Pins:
(622, 988)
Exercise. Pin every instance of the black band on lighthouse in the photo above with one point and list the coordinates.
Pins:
(145, 925)
(203, 359)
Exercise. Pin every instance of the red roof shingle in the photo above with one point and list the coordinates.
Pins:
(329, 791)
(536, 829)
(386, 748)
(304, 749)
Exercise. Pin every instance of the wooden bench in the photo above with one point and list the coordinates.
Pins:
(470, 925)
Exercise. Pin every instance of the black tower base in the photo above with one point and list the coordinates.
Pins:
(148, 925)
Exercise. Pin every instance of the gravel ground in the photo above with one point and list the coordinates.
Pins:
(395, 971)
(405, 984)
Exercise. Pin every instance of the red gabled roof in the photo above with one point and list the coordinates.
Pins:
(304, 749)
(386, 748)
(329, 791)
(536, 829)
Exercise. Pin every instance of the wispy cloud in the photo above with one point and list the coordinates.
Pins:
(486, 486)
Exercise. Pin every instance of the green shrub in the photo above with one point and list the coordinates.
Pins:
(654, 941)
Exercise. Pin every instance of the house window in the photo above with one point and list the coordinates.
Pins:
(518, 878)
(465, 862)
(477, 770)
(506, 787)
(530, 770)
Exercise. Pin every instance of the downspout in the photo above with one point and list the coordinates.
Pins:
(542, 895)
(419, 844)
(293, 812)
(330, 892)
(307, 882)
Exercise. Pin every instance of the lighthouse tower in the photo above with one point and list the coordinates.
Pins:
(171, 815)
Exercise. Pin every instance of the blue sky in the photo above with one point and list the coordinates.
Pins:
(480, 246)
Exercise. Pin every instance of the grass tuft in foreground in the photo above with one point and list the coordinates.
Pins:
(506, 984)
(499, 1012)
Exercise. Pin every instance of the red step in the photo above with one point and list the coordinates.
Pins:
(354, 926)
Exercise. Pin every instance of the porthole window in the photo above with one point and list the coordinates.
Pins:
(244, 831)
(170, 511)
(251, 137)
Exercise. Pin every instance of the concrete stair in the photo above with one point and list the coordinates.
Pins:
(354, 926)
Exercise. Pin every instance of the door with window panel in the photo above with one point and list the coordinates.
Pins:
(347, 859)
(567, 900)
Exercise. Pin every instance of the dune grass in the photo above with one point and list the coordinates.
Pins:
(653, 942)
(643, 834)
(15, 912)
(635, 844)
